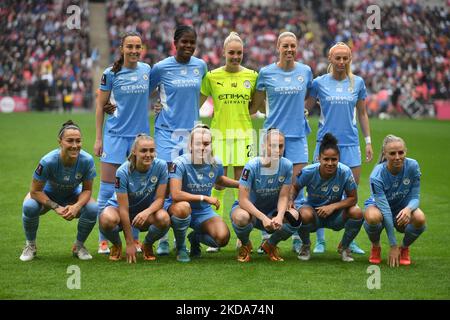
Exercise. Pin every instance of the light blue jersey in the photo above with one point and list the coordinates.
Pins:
(337, 107)
(62, 182)
(265, 183)
(130, 92)
(391, 193)
(285, 98)
(140, 186)
(322, 192)
(179, 91)
(196, 179)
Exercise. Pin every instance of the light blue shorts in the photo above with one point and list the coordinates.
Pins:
(170, 144)
(349, 155)
(200, 216)
(335, 221)
(296, 149)
(116, 149)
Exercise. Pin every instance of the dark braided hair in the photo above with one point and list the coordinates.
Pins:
(117, 66)
(182, 29)
(329, 142)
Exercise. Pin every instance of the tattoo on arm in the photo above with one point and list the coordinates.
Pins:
(51, 204)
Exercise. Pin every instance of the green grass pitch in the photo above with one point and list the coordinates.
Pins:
(25, 138)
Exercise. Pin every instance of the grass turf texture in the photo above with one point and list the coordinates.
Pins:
(27, 137)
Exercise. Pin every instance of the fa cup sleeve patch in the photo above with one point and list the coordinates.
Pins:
(39, 169)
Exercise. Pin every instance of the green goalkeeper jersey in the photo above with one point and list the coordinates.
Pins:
(231, 93)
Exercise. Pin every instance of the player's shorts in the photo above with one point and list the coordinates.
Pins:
(335, 221)
(116, 149)
(234, 152)
(395, 211)
(349, 155)
(296, 149)
(256, 222)
(170, 144)
(200, 216)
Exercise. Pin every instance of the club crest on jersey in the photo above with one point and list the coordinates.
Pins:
(153, 179)
(335, 188)
(145, 77)
(172, 168)
(117, 184)
(211, 175)
(406, 181)
(196, 71)
(78, 175)
(103, 81)
(300, 78)
(245, 174)
(281, 179)
(39, 169)
(247, 84)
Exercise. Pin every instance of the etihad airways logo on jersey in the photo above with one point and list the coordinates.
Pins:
(185, 83)
(135, 88)
(234, 96)
(288, 90)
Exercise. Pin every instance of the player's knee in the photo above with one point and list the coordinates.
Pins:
(373, 216)
(108, 221)
(89, 211)
(222, 238)
(180, 210)
(418, 218)
(355, 212)
(240, 217)
(31, 208)
(307, 215)
(162, 220)
(293, 218)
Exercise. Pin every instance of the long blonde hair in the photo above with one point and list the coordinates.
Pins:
(388, 139)
(348, 67)
(132, 155)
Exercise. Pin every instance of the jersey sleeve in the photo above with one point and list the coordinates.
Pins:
(177, 170)
(206, 86)
(247, 176)
(107, 80)
(314, 89)
(205, 68)
(289, 170)
(414, 196)
(163, 174)
(90, 171)
(362, 93)
(121, 185)
(155, 77)
(42, 171)
(383, 204)
(350, 183)
(260, 81)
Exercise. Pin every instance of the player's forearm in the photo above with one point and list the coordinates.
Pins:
(346, 203)
(156, 205)
(179, 196)
(228, 182)
(43, 199)
(126, 224)
(363, 120)
(248, 206)
(83, 198)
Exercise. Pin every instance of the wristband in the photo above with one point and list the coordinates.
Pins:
(368, 140)
(201, 198)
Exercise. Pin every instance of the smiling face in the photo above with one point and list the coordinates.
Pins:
(287, 47)
(70, 143)
(185, 46)
(131, 50)
(233, 53)
(328, 160)
(145, 153)
(340, 57)
(201, 146)
(395, 154)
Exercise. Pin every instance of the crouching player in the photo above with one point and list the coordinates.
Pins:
(263, 199)
(56, 185)
(394, 202)
(192, 177)
(324, 207)
(138, 201)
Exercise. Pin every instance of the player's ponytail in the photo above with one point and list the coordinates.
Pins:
(132, 155)
(117, 66)
(328, 142)
(348, 66)
(388, 139)
(233, 36)
(69, 124)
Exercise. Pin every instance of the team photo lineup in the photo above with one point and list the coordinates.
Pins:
(285, 169)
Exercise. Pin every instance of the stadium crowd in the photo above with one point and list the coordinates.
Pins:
(41, 58)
